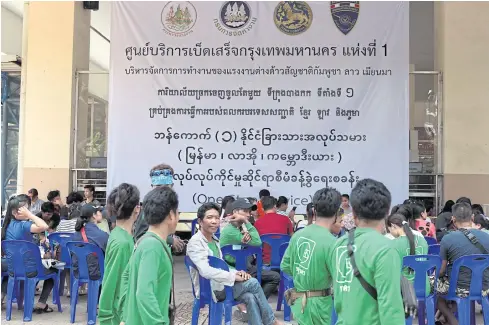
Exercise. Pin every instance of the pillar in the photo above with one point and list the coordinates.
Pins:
(461, 53)
(56, 44)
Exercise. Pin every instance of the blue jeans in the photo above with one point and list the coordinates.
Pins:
(251, 294)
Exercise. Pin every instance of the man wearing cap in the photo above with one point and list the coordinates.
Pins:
(241, 231)
(161, 175)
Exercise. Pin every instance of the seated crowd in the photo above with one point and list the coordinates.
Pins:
(345, 244)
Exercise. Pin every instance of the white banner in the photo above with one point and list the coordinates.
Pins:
(240, 96)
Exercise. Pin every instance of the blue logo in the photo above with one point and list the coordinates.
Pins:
(345, 14)
(235, 14)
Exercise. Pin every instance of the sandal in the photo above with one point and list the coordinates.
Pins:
(46, 309)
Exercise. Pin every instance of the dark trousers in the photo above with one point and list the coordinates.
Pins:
(46, 288)
(270, 280)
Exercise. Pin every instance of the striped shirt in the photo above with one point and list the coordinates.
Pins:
(66, 226)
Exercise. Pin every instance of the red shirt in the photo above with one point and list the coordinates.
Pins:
(273, 223)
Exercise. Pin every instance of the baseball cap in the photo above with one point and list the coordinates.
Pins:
(89, 210)
(242, 204)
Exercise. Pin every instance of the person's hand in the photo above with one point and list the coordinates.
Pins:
(23, 214)
(242, 276)
(47, 255)
(292, 215)
(246, 238)
(178, 244)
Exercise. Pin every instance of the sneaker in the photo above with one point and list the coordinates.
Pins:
(240, 315)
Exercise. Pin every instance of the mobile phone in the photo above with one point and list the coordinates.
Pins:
(294, 208)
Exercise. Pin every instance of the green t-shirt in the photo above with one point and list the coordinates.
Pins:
(149, 283)
(306, 261)
(213, 247)
(380, 266)
(117, 255)
(230, 235)
(401, 244)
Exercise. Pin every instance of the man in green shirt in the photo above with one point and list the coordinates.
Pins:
(306, 261)
(149, 273)
(241, 231)
(375, 258)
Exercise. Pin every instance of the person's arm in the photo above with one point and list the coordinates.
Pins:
(255, 236)
(123, 293)
(387, 281)
(147, 281)
(39, 225)
(199, 257)
(290, 227)
(444, 246)
(286, 265)
(230, 235)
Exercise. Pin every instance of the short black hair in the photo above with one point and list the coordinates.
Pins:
(462, 212)
(477, 209)
(123, 200)
(54, 222)
(158, 204)
(264, 193)
(53, 194)
(346, 196)
(90, 187)
(282, 200)
(463, 199)
(74, 197)
(370, 200)
(479, 219)
(227, 199)
(326, 202)
(34, 192)
(206, 207)
(47, 207)
(268, 203)
(418, 208)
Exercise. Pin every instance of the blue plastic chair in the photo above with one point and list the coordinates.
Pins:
(430, 240)
(274, 241)
(286, 282)
(16, 293)
(423, 265)
(434, 249)
(17, 251)
(216, 310)
(241, 256)
(62, 238)
(466, 306)
(195, 222)
(82, 250)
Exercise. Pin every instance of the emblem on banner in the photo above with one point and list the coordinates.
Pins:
(235, 18)
(178, 18)
(345, 14)
(292, 17)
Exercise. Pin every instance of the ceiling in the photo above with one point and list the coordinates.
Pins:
(100, 20)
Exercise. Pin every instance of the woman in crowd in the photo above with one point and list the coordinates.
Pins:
(20, 224)
(282, 205)
(87, 231)
(424, 226)
(122, 202)
(404, 237)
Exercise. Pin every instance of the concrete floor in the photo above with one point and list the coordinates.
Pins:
(183, 292)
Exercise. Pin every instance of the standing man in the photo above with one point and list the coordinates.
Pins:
(149, 273)
(366, 253)
(306, 260)
(161, 176)
(89, 191)
(259, 205)
(36, 202)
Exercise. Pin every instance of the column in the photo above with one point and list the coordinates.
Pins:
(57, 45)
(461, 53)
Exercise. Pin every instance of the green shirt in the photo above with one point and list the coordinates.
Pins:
(380, 266)
(149, 283)
(117, 255)
(306, 260)
(213, 247)
(230, 235)
(401, 244)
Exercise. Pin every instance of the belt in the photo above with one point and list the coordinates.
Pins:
(291, 295)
